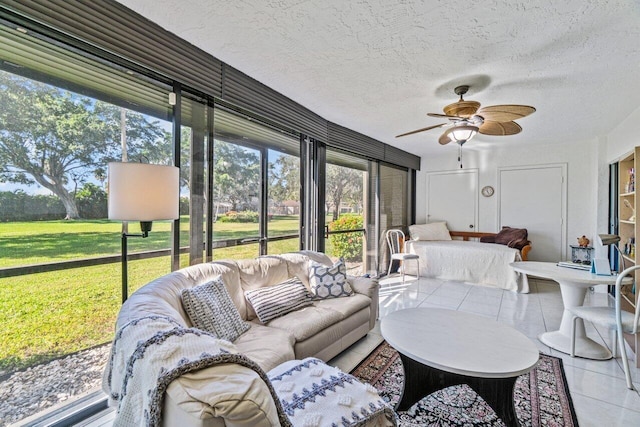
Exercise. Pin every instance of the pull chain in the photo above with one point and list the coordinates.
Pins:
(460, 155)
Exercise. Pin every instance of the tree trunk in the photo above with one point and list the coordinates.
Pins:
(68, 201)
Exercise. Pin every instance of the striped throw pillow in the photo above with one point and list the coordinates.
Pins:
(211, 309)
(275, 301)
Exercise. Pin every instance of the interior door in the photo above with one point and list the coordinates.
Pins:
(453, 197)
(535, 198)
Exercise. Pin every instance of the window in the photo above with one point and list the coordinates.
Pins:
(62, 118)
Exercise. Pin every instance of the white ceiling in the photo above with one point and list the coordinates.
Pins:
(378, 66)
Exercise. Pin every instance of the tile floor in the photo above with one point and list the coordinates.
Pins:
(598, 388)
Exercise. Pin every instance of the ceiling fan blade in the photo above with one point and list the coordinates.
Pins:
(505, 113)
(499, 128)
(444, 139)
(421, 130)
(464, 109)
(444, 116)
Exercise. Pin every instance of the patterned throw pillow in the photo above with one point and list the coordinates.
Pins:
(275, 301)
(211, 309)
(329, 282)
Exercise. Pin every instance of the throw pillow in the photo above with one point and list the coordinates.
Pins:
(211, 309)
(431, 231)
(329, 282)
(274, 301)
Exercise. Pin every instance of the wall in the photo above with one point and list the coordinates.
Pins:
(583, 161)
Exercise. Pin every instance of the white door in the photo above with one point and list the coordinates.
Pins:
(534, 197)
(453, 197)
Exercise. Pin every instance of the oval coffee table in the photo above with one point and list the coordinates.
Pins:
(440, 348)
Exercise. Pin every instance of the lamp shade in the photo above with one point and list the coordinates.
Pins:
(608, 239)
(143, 192)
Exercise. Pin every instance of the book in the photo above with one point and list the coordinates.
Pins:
(576, 265)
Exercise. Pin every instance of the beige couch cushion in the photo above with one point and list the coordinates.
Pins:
(346, 306)
(162, 295)
(268, 347)
(306, 322)
(261, 272)
(229, 391)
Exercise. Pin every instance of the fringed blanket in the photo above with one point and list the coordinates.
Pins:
(150, 352)
(314, 394)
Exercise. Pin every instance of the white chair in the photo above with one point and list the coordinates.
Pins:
(395, 239)
(613, 318)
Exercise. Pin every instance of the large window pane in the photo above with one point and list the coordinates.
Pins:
(241, 148)
(284, 202)
(345, 186)
(63, 117)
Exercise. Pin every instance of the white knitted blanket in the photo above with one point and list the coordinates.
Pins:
(314, 394)
(150, 352)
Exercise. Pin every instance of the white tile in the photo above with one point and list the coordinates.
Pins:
(607, 388)
(445, 301)
(596, 413)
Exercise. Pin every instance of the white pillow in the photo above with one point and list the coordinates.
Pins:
(432, 231)
(274, 301)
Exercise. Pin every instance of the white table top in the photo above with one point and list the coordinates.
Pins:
(549, 270)
(459, 342)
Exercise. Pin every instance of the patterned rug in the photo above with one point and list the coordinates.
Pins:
(541, 397)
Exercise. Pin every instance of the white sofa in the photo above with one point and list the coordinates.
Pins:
(234, 395)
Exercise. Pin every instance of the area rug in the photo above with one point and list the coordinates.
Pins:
(541, 397)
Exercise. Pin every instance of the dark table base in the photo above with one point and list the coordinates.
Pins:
(421, 380)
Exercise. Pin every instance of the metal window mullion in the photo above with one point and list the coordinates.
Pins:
(175, 226)
(320, 175)
(209, 190)
(264, 199)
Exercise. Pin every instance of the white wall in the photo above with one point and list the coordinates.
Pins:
(584, 161)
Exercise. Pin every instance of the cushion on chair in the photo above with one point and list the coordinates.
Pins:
(431, 231)
(605, 316)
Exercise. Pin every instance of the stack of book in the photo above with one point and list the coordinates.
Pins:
(576, 265)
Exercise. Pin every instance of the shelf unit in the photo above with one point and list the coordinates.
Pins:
(628, 203)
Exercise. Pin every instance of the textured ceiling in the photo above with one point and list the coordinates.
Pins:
(378, 66)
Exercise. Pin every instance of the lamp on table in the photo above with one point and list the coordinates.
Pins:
(612, 239)
(141, 192)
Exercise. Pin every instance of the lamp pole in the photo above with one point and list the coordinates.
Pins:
(145, 226)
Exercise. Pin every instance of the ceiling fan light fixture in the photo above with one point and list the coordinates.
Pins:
(462, 133)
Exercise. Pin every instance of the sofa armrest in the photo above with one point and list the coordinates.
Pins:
(369, 287)
(227, 394)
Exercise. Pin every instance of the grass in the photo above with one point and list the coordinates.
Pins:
(48, 315)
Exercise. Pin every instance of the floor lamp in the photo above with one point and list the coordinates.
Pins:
(141, 192)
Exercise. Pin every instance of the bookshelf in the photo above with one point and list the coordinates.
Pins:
(628, 204)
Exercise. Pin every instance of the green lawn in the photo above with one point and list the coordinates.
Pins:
(47, 315)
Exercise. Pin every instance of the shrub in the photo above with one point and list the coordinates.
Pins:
(244, 216)
(92, 202)
(347, 245)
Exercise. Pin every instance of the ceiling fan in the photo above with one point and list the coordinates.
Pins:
(466, 119)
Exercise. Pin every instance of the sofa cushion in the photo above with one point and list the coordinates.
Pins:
(210, 308)
(431, 231)
(275, 301)
(306, 322)
(329, 281)
(298, 263)
(345, 306)
(266, 346)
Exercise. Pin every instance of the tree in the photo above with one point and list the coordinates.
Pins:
(342, 184)
(236, 174)
(55, 138)
(284, 179)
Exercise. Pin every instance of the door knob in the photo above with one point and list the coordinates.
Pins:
(470, 225)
